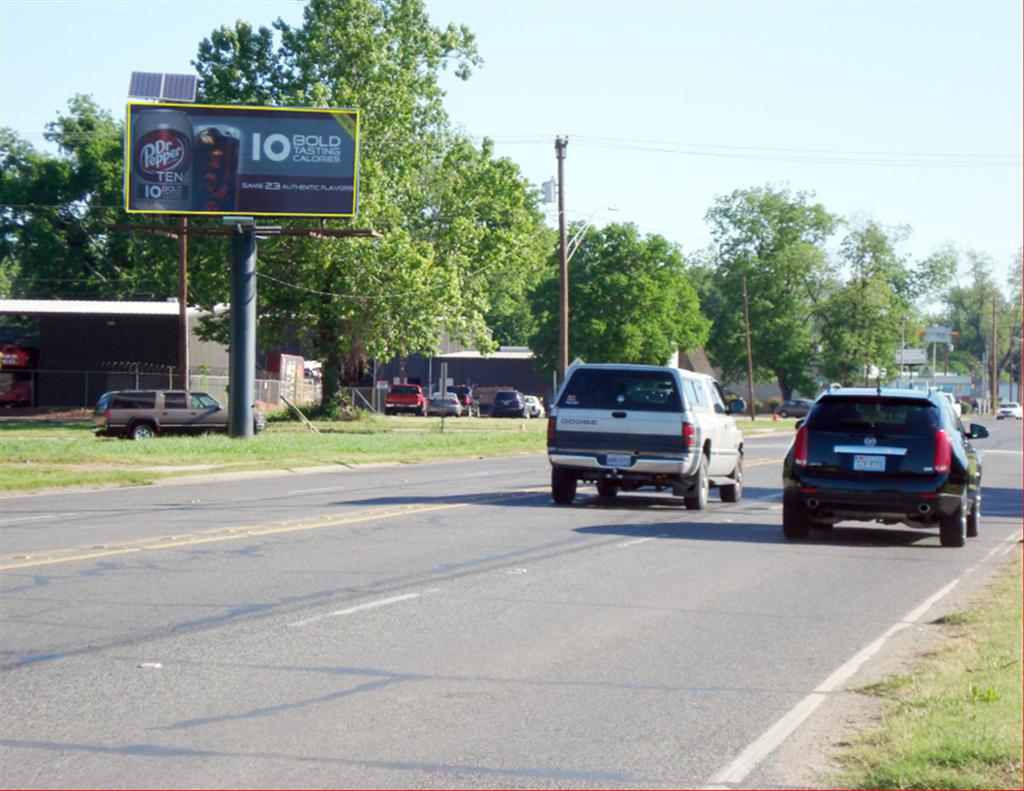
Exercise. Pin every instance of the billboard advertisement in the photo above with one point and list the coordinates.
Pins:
(258, 161)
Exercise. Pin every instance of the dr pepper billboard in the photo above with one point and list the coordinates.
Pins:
(213, 159)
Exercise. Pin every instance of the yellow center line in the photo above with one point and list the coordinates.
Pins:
(47, 557)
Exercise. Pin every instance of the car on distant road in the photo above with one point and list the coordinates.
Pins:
(509, 403)
(405, 398)
(534, 407)
(1010, 409)
(888, 456)
(444, 405)
(143, 414)
(796, 407)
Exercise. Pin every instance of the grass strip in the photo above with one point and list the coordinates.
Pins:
(954, 721)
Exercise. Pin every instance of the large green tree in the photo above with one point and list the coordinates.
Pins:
(442, 243)
(773, 240)
(57, 212)
(861, 321)
(630, 301)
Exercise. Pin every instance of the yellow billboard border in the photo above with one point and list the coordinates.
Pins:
(334, 111)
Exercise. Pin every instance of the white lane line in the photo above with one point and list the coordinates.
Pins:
(318, 491)
(358, 608)
(744, 763)
(636, 541)
(1011, 452)
(17, 519)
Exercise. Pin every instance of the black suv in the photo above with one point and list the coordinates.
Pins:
(890, 456)
(509, 403)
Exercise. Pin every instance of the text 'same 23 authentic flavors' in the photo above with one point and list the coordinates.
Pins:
(179, 167)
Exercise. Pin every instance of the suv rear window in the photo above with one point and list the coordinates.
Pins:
(133, 401)
(506, 396)
(897, 415)
(645, 391)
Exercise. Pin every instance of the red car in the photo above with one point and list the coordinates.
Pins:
(405, 398)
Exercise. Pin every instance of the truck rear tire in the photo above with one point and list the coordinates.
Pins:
(563, 486)
(698, 501)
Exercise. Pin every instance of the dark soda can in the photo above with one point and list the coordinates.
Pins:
(161, 161)
(218, 150)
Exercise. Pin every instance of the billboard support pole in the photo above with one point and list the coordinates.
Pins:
(242, 353)
(183, 332)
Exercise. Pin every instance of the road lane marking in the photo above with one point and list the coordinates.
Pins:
(370, 605)
(8, 521)
(744, 763)
(45, 557)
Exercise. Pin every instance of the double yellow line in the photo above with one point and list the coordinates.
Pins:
(46, 557)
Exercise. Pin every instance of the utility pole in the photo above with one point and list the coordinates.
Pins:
(183, 333)
(995, 362)
(750, 356)
(563, 331)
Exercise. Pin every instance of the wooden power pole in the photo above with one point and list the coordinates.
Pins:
(750, 355)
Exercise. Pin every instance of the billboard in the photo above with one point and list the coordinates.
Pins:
(215, 159)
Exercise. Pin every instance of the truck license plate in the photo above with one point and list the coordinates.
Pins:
(618, 460)
(869, 463)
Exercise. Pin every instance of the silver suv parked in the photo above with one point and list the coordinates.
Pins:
(142, 414)
(627, 426)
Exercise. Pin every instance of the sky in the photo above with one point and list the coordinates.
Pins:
(906, 113)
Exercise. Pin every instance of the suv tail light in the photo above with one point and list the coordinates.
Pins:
(689, 435)
(106, 415)
(551, 431)
(943, 451)
(800, 447)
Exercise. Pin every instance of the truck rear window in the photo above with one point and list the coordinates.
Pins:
(646, 391)
(405, 390)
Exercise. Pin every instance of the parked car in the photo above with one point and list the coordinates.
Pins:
(796, 407)
(627, 426)
(447, 404)
(142, 414)
(1010, 409)
(405, 398)
(889, 456)
(509, 403)
(465, 396)
(534, 408)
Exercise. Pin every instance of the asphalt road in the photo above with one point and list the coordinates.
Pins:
(439, 625)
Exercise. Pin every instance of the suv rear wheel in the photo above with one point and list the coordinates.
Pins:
(794, 521)
(563, 486)
(973, 518)
(953, 528)
(142, 431)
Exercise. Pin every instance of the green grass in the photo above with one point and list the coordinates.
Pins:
(955, 720)
(40, 454)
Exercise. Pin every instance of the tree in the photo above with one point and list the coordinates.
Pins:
(861, 321)
(441, 243)
(774, 239)
(58, 209)
(630, 301)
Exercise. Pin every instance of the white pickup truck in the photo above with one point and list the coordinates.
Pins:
(626, 426)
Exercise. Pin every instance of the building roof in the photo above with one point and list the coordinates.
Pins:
(503, 353)
(37, 307)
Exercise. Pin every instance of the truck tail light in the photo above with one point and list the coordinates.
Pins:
(800, 447)
(943, 451)
(689, 435)
(551, 431)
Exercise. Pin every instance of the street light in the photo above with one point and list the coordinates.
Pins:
(588, 223)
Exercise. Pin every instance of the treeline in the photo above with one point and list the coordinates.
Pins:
(464, 247)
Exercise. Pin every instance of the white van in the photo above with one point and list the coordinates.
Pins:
(627, 426)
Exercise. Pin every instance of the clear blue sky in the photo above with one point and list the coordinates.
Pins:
(909, 113)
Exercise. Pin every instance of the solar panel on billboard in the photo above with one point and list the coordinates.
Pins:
(145, 84)
(179, 87)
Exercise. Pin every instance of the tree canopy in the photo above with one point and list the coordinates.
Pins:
(630, 301)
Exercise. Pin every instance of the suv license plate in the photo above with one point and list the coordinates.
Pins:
(618, 460)
(869, 463)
